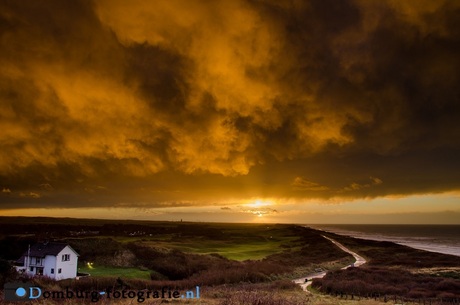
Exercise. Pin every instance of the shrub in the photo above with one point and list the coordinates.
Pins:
(397, 282)
(7, 272)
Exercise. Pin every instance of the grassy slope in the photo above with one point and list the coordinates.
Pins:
(243, 248)
(115, 272)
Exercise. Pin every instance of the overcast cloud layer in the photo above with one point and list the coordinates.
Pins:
(160, 103)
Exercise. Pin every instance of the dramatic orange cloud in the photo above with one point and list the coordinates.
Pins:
(194, 103)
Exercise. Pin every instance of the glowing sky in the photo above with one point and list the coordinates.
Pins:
(282, 111)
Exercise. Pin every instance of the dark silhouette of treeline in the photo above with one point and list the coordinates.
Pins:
(68, 230)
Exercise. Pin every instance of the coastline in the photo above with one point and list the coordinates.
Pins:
(415, 242)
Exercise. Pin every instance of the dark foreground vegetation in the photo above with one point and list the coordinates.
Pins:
(278, 292)
(371, 281)
(393, 271)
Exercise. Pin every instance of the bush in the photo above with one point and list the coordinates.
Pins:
(284, 285)
(398, 282)
(7, 272)
(248, 297)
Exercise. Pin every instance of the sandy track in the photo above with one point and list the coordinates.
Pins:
(359, 260)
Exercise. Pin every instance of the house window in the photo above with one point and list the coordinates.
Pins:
(59, 270)
(66, 257)
(37, 261)
(31, 268)
(52, 270)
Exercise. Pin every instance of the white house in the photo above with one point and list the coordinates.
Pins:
(54, 260)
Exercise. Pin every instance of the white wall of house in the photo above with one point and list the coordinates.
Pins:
(50, 266)
(68, 267)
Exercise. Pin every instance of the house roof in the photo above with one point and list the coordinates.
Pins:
(44, 249)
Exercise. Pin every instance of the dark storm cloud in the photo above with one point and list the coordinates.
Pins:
(174, 102)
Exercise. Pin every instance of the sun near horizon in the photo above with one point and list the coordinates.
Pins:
(232, 111)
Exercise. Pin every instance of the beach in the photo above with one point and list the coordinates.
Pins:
(435, 238)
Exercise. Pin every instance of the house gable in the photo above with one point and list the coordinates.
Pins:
(55, 260)
(66, 263)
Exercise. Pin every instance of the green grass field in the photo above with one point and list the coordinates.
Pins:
(240, 251)
(241, 243)
(115, 272)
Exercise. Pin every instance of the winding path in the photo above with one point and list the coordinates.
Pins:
(359, 260)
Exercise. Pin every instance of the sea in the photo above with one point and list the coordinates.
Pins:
(434, 238)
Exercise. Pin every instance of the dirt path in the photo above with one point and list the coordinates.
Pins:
(359, 260)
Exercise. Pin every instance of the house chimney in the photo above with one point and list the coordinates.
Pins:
(26, 260)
